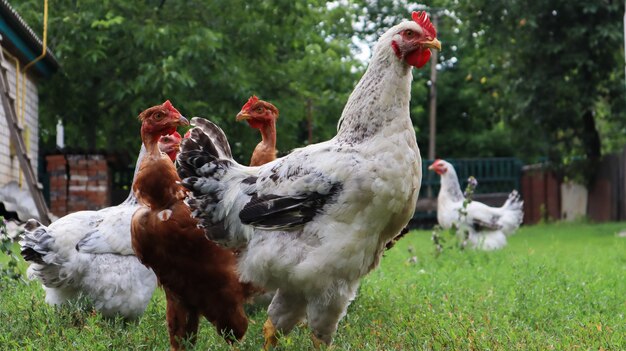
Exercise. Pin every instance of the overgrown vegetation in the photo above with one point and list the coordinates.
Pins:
(9, 261)
(554, 287)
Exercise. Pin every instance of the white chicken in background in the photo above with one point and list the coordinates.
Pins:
(488, 226)
(89, 254)
(312, 223)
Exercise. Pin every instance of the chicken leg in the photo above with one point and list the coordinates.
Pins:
(285, 311)
(182, 323)
(269, 333)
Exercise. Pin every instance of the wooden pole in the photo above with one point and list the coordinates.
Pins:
(309, 120)
(432, 110)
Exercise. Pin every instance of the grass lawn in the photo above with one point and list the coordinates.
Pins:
(554, 287)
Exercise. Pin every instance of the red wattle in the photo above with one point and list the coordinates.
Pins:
(255, 123)
(418, 58)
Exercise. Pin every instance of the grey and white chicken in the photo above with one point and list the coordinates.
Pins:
(487, 226)
(312, 223)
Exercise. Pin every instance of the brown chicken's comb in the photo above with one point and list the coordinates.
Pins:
(168, 105)
(421, 18)
(253, 99)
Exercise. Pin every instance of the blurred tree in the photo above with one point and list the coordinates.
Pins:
(119, 57)
(559, 67)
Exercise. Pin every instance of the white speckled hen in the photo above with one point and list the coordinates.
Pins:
(488, 226)
(312, 223)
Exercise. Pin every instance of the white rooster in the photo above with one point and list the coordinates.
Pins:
(312, 223)
(89, 253)
(488, 226)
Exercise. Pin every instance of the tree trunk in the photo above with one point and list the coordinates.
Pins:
(592, 144)
(91, 135)
(309, 121)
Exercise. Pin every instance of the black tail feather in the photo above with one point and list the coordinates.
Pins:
(31, 255)
(217, 136)
(206, 143)
(35, 243)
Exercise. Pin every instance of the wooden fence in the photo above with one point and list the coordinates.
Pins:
(606, 196)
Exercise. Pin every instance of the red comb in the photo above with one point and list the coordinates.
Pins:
(168, 105)
(253, 99)
(177, 136)
(188, 134)
(421, 18)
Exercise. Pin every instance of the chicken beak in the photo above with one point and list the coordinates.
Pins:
(182, 121)
(431, 167)
(242, 116)
(432, 44)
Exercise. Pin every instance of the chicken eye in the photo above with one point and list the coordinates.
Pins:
(409, 33)
(259, 109)
(158, 116)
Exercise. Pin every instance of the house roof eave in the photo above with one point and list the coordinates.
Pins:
(17, 32)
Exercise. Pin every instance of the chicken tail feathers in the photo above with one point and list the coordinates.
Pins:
(513, 214)
(206, 166)
(205, 143)
(37, 247)
(36, 243)
(514, 202)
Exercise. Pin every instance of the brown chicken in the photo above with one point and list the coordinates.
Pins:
(170, 144)
(261, 115)
(199, 277)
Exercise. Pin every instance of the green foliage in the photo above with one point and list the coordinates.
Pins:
(9, 270)
(554, 287)
(207, 57)
(559, 66)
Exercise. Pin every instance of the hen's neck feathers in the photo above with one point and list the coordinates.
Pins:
(157, 180)
(150, 140)
(381, 98)
(265, 151)
(450, 188)
(131, 200)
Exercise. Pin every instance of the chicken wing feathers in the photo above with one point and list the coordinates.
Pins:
(274, 212)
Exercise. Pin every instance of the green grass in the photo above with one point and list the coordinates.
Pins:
(554, 287)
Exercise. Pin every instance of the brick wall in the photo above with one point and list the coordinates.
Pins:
(57, 170)
(78, 182)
